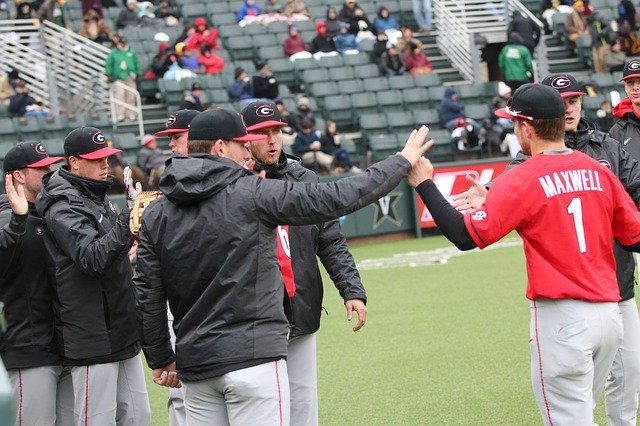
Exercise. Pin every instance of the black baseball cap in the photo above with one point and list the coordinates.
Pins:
(220, 123)
(28, 155)
(196, 86)
(631, 68)
(88, 143)
(178, 122)
(533, 101)
(565, 84)
(261, 114)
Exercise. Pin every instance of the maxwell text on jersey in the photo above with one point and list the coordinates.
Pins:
(570, 181)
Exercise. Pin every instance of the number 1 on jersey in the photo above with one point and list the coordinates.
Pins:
(575, 209)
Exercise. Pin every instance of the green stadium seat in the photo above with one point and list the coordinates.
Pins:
(28, 128)
(416, 97)
(364, 103)
(400, 121)
(270, 52)
(390, 100)
(212, 81)
(262, 40)
(477, 111)
(469, 93)
(7, 127)
(253, 30)
(376, 84)
(127, 141)
(193, 10)
(435, 95)
(218, 96)
(338, 108)
(76, 120)
(359, 59)
(348, 87)
(603, 81)
(366, 71)
(230, 30)
(373, 123)
(341, 73)
(382, 145)
(224, 18)
(305, 64)
(284, 70)
(314, 75)
(54, 126)
(54, 146)
(324, 88)
(427, 80)
(400, 82)
(5, 146)
(428, 117)
(277, 27)
(216, 7)
(240, 47)
(331, 61)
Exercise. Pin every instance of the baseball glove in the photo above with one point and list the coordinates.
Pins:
(141, 202)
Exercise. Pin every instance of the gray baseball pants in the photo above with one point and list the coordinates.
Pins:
(303, 380)
(572, 344)
(623, 384)
(175, 403)
(251, 396)
(43, 395)
(106, 394)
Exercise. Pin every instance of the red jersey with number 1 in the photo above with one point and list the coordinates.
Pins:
(567, 208)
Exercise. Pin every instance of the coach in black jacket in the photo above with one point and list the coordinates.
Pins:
(209, 248)
(27, 347)
(87, 247)
(300, 269)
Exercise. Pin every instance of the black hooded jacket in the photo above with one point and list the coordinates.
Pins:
(607, 151)
(87, 246)
(26, 291)
(323, 240)
(209, 248)
(526, 28)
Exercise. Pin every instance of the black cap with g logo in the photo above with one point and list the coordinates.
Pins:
(261, 114)
(631, 68)
(28, 155)
(178, 122)
(533, 101)
(88, 143)
(566, 84)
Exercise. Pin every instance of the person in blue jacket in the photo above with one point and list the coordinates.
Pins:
(249, 8)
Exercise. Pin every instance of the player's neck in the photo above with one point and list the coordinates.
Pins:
(539, 147)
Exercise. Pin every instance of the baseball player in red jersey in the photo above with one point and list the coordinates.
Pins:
(568, 209)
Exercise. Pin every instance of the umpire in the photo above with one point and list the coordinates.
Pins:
(298, 247)
(87, 246)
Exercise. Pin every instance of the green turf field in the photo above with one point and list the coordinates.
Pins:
(443, 343)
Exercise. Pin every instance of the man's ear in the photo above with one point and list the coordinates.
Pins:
(18, 177)
(73, 163)
(218, 148)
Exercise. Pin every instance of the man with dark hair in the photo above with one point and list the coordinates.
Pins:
(87, 246)
(298, 247)
(193, 99)
(567, 208)
(265, 84)
(232, 332)
(42, 391)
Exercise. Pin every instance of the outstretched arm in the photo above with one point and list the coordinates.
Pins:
(468, 201)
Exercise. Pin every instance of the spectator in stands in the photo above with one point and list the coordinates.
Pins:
(151, 160)
(330, 142)
(22, 104)
(265, 84)
(296, 10)
(160, 62)
(379, 47)
(186, 33)
(333, 22)
(407, 37)
(167, 14)
(249, 8)
(307, 146)
(303, 110)
(193, 99)
(359, 24)
(128, 17)
(576, 23)
(346, 42)
(526, 28)
(187, 61)
(385, 23)
(123, 65)
(626, 13)
(240, 88)
(422, 13)
(271, 6)
(515, 62)
(176, 70)
(601, 37)
(52, 10)
(209, 61)
(88, 5)
(499, 102)
(147, 15)
(294, 46)
(391, 62)
(6, 91)
(95, 29)
(24, 10)
(551, 7)
(450, 109)
(629, 41)
(613, 59)
(604, 116)
(285, 116)
(322, 44)
(202, 35)
(416, 61)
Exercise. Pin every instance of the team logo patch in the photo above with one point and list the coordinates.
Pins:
(39, 230)
(479, 215)
(560, 82)
(171, 120)
(99, 138)
(40, 149)
(264, 111)
(605, 163)
(634, 65)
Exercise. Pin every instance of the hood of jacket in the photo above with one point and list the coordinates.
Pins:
(623, 108)
(579, 139)
(515, 38)
(278, 170)
(189, 180)
(56, 186)
(448, 93)
(4, 202)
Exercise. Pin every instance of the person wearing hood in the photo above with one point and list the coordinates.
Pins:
(627, 112)
(249, 8)
(623, 384)
(346, 43)
(303, 282)
(515, 62)
(575, 23)
(323, 44)
(333, 23)
(202, 35)
(526, 28)
(95, 28)
(128, 16)
(193, 99)
(294, 46)
(160, 62)
(450, 109)
(28, 347)
(229, 318)
(240, 88)
(87, 245)
(359, 24)
(272, 7)
(391, 62)
(209, 61)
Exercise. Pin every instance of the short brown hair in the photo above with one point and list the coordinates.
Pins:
(549, 129)
(199, 146)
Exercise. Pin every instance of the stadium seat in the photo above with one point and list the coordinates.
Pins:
(400, 121)
(469, 93)
(224, 19)
(28, 128)
(435, 95)
(54, 126)
(253, 30)
(477, 111)
(127, 141)
(77, 120)
(230, 30)
(428, 117)
(193, 10)
(283, 69)
(390, 100)
(240, 47)
(338, 108)
(399, 82)
(373, 123)
(270, 52)
(215, 7)
(331, 61)
(341, 73)
(427, 80)
(416, 97)
(382, 145)
(366, 71)
(364, 103)
(348, 87)
(315, 75)
(324, 88)
(5, 146)
(376, 83)
(277, 27)
(218, 96)
(263, 40)
(359, 59)
(212, 81)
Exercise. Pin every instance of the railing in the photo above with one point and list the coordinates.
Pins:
(131, 109)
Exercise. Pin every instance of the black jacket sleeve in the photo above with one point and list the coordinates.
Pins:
(449, 220)
(629, 174)
(78, 238)
(12, 228)
(334, 254)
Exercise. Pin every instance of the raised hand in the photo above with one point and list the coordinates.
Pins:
(415, 147)
(17, 199)
(130, 191)
(469, 200)
(421, 171)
